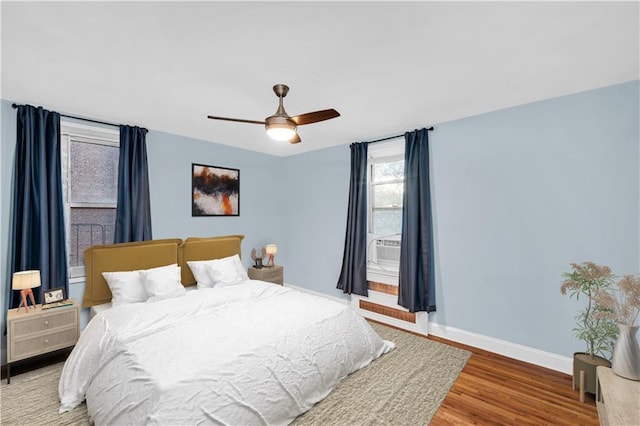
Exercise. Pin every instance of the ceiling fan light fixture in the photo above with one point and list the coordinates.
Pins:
(280, 128)
(281, 133)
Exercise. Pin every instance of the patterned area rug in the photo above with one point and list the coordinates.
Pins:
(404, 387)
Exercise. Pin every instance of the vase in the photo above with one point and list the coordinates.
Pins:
(626, 353)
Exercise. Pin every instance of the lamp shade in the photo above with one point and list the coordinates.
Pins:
(280, 128)
(271, 249)
(26, 279)
(281, 133)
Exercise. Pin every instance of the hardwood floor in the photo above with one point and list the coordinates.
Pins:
(495, 390)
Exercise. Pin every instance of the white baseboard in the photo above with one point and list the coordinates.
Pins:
(503, 347)
(509, 349)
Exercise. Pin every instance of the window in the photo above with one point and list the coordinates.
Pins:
(386, 188)
(90, 185)
(385, 182)
(387, 185)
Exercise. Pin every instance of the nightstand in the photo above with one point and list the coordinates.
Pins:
(270, 274)
(40, 331)
(617, 398)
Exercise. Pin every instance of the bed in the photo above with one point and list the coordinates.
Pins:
(243, 353)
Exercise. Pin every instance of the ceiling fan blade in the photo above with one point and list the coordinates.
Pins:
(238, 120)
(295, 139)
(314, 117)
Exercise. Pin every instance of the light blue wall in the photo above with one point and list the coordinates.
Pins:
(315, 198)
(170, 158)
(521, 193)
(518, 194)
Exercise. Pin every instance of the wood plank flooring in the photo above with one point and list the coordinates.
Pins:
(495, 390)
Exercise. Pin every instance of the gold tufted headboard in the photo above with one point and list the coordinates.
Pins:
(150, 254)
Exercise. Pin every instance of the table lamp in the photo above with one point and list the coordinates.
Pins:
(25, 281)
(271, 249)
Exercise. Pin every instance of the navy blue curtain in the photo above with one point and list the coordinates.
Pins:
(416, 290)
(37, 228)
(133, 213)
(353, 276)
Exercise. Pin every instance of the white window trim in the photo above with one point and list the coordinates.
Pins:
(391, 148)
(89, 134)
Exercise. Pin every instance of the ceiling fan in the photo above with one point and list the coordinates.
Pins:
(280, 126)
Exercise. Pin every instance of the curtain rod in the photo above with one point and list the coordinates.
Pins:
(79, 118)
(393, 137)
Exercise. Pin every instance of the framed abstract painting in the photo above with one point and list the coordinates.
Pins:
(215, 191)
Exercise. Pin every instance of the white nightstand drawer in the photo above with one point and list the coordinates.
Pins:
(42, 322)
(38, 331)
(28, 347)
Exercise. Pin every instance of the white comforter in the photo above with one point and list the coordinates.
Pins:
(253, 353)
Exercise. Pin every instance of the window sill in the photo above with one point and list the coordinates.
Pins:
(77, 280)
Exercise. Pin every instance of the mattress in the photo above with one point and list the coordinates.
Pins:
(95, 310)
(252, 353)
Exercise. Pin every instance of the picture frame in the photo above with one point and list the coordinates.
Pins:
(53, 296)
(215, 191)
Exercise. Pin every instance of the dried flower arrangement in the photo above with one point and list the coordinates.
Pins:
(621, 304)
(596, 329)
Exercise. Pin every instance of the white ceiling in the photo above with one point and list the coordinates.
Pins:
(387, 67)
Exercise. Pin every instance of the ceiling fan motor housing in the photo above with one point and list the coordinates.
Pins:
(279, 120)
(281, 90)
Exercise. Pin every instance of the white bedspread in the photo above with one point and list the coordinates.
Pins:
(253, 353)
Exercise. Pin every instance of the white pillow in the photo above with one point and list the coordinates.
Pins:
(208, 273)
(227, 271)
(242, 271)
(162, 283)
(201, 273)
(125, 287)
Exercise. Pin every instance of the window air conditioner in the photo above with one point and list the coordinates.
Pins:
(388, 252)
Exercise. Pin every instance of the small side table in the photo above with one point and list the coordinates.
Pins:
(40, 331)
(271, 274)
(617, 398)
